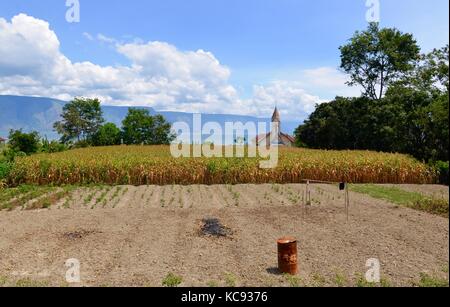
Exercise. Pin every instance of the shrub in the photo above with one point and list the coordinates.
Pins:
(5, 169)
(81, 144)
(432, 205)
(24, 142)
(10, 154)
(52, 147)
(442, 170)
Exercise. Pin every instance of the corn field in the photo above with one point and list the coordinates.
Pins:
(145, 165)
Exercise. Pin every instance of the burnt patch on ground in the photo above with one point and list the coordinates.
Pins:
(212, 227)
(78, 234)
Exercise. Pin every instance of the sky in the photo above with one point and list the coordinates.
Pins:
(216, 56)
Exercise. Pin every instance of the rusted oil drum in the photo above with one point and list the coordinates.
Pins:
(287, 255)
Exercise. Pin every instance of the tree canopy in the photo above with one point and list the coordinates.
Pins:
(411, 118)
(108, 134)
(377, 57)
(139, 127)
(81, 120)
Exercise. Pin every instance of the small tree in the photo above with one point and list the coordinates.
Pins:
(81, 120)
(107, 135)
(139, 127)
(27, 143)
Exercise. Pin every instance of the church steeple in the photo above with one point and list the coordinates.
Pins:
(276, 118)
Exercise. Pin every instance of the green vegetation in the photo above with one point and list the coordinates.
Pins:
(5, 169)
(82, 125)
(376, 57)
(27, 143)
(108, 134)
(172, 280)
(398, 196)
(139, 127)
(22, 283)
(81, 120)
(230, 280)
(212, 284)
(293, 281)
(404, 107)
(442, 171)
(37, 197)
(391, 194)
(361, 282)
(427, 281)
(340, 280)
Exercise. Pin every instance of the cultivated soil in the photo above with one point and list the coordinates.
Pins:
(136, 236)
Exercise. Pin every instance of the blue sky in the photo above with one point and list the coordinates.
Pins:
(259, 41)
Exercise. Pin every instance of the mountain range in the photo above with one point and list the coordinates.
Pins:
(40, 113)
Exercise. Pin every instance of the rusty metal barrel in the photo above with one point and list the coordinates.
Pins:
(287, 255)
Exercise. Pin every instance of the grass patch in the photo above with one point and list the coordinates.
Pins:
(29, 283)
(230, 280)
(172, 280)
(212, 284)
(428, 281)
(293, 281)
(361, 282)
(340, 280)
(400, 197)
(22, 283)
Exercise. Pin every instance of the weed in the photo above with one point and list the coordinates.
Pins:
(293, 281)
(172, 280)
(230, 280)
(427, 281)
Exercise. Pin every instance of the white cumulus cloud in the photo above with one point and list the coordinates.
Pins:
(159, 75)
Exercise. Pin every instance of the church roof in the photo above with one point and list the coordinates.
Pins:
(283, 138)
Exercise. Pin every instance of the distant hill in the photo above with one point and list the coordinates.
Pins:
(39, 114)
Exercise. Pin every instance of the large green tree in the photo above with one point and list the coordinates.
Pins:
(139, 127)
(412, 117)
(108, 134)
(377, 57)
(424, 97)
(81, 120)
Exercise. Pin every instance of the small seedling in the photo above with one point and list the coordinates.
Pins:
(172, 280)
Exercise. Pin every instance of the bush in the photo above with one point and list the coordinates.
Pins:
(52, 147)
(24, 142)
(432, 205)
(81, 144)
(10, 154)
(5, 169)
(442, 169)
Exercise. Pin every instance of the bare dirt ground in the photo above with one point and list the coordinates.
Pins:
(135, 236)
